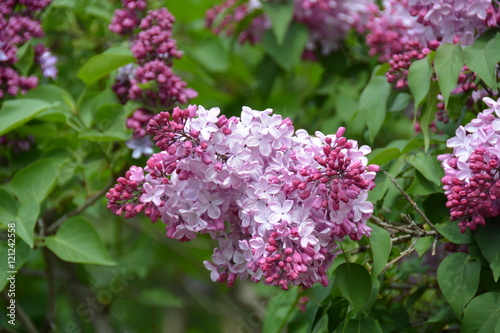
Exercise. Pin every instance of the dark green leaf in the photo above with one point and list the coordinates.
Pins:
(16, 112)
(337, 312)
(423, 245)
(422, 186)
(481, 64)
(380, 246)
(354, 282)
(429, 113)
(281, 14)
(428, 166)
(37, 179)
(373, 103)
(448, 63)
(279, 310)
(102, 64)
(25, 56)
(458, 278)
(212, 54)
(160, 297)
(362, 326)
(419, 79)
(488, 239)
(482, 314)
(77, 241)
(22, 253)
(451, 231)
(288, 54)
(383, 155)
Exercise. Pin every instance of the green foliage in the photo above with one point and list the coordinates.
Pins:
(419, 79)
(458, 277)
(102, 64)
(373, 103)
(77, 241)
(448, 63)
(482, 314)
(104, 273)
(15, 113)
(488, 238)
(354, 283)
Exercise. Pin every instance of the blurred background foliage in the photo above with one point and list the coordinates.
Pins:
(148, 283)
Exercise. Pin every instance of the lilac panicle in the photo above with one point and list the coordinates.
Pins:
(471, 181)
(277, 200)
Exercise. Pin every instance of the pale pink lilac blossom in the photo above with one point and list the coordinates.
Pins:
(471, 181)
(277, 213)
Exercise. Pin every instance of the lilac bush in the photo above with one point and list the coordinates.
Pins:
(471, 181)
(329, 22)
(276, 201)
(151, 80)
(19, 24)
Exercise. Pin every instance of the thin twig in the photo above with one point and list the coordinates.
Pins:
(90, 201)
(403, 254)
(21, 314)
(410, 200)
(413, 232)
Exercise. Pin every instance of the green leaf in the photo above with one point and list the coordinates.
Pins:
(481, 64)
(380, 246)
(458, 278)
(482, 314)
(419, 79)
(428, 166)
(423, 244)
(22, 213)
(102, 64)
(362, 326)
(488, 239)
(279, 310)
(448, 63)
(37, 179)
(382, 156)
(25, 56)
(288, 54)
(373, 103)
(281, 14)
(22, 253)
(160, 297)
(26, 218)
(52, 94)
(451, 231)
(77, 241)
(8, 207)
(212, 54)
(422, 186)
(17, 112)
(337, 312)
(354, 281)
(429, 113)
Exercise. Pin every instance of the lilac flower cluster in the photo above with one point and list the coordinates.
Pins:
(328, 21)
(18, 25)
(451, 21)
(471, 180)
(276, 201)
(150, 80)
(429, 23)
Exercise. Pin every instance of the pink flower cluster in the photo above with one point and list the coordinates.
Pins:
(150, 80)
(471, 181)
(18, 25)
(277, 200)
(429, 23)
(329, 21)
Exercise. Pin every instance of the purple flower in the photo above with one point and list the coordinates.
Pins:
(153, 194)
